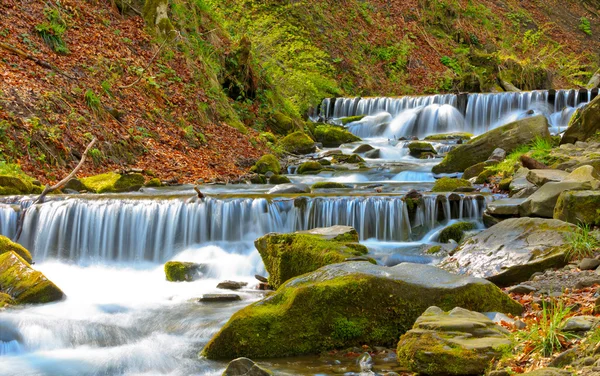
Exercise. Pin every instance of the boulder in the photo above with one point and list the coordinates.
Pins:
(585, 173)
(309, 168)
(281, 123)
(541, 177)
(507, 207)
(511, 251)
(373, 154)
(363, 149)
(475, 170)
(288, 255)
(449, 184)
(509, 137)
(459, 342)
(231, 285)
(75, 185)
(219, 298)
(578, 207)
(417, 148)
(245, 367)
(112, 182)
(153, 183)
(177, 271)
(266, 163)
(24, 284)
(349, 304)
(279, 179)
(297, 143)
(581, 324)
(6, 300)
(498, 155)
(289, 188)
(7, 245)
(332, 136)
(588, 264)
(584, 123)
(520, 186)
(449, 136)
(347, 158)
(329, 185)
(543, 201)
(455, 231)
(16, 185)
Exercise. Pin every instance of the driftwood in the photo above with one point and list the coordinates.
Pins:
(39, 62)
(49, 189)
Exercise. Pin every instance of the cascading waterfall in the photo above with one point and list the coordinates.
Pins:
(155, 230)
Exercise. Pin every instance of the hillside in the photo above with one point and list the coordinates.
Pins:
(187, 96)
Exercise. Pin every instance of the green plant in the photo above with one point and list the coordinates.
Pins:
(97, 156)
(52, 31)
(585, 26)
(506, 168)
(582, 242)
(451, 63)
(92, 101)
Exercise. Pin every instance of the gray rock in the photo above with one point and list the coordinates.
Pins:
(245, 367)
(541, 177)
(520, 183)
(505, 207)
(333, 233)
(550, 371)
(581, 324)
(373, 154)
(543, 201)
(589, 264)
(289, 188)
(521, 289)
(511, 251)
(231, 285)
(490, 220)
(563, 359)
(578, 207)
(365, 362)
(330, 153)
(215, 298)
(498, 155)
(362, 149)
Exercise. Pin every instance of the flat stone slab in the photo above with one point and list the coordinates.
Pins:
(215, 298)
(505, 207)
(541, 177)
(289, 188)
(231, 285)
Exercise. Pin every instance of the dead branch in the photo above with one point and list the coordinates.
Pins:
(39, 62)
(53, 188)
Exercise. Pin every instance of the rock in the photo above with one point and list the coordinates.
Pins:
(351, 119)
(16, 185)
(112, 182)
(363, 149)
(279, 179)
(475, 170)
(584, 123)
(449, 184)
(489, 220)
(373, 154)
(260, 278)
(177, 271)
(332, 136)
(153, 183)
(219, 298)
(543, 201)
(499, 373)
(509, 137)
(511, 251)
(289, 188)
(449, 136)
(565, 358)
(589, 264)
(456, 231)
(266, 163)
(365, 362)
(581, 324)
(310, 168)
(520, 183)
(459, 342)
(594, 82)
(297, 143)
(521, 289)
(541, 177)
(7, 245)
(349, 304)
(466, 189)
(531, 163)
(231, 285)
(548, 372)
(347, 158)
(585, 174)
(245, 367)
(23, 284)
(288, 255)
(329, 185)
(74, 184)
(330, 153)
(418, 148)
(498, 155)
(506, 207)
(6, 300)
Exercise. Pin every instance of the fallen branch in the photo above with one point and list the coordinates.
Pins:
(39, 62)
(49, 189)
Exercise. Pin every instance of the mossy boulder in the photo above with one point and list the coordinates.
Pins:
(279, 179)
(328, 185)
(348, 158)
(333, 135)
(75, 184)
(177, 271)
(543, 202)
(484, 176)
(584, 124)
(511, 251)
(24, 284)
(449, 184)
(6, 300)
(349, 304)
(476, 169)
(289, 255)
(7, 245)
(245, 367)
(417, 148)
(268, 137)
(459, 342)
(153, 183)
(351, 119)
(456, 231)
(266, 163)
(111, 182)
(13, 185)
(508, 137)
(297, 143)
(578, 207)
(310, 167)
(449, 136)
(281, 123)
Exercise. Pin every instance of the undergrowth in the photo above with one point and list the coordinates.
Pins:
(582, 242)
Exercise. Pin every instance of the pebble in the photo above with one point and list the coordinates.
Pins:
(521, 289)
(589, 264)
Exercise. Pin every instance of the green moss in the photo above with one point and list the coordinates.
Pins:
(325, 162)
(6, 300)
(176, 271)
(449, 184)
(456, 231)
(310, 167)
(505, 184)
(297, 143)
(484, 177)
(578, 207)
(113, 182)
(154, 182)
(24, 284)
(333, 136)
(434, 250)
(348, 158)
(350, 119)
(13, 185)
(158, 22)
(258, 179)
(6, 245)
(266, 163)
(281, 123)
(279, 179)
(328, 185)
(417, 148)
(268, 137)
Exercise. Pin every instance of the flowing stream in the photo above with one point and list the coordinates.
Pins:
(107, 252)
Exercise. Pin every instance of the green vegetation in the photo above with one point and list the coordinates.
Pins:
(113, 182)
(297, 143)
(310, 167)
(6, 245)
(583, 242)
(449, 184)
(92, 101)
(585, 26)
(333, 136)
(176, 271)
(328, 185)
(266, 163)
(456, 232)
(53, 30)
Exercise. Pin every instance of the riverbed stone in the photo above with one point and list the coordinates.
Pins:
(289, 188)
(332, 136)
(267, 163)
(417, 148)
(458, 342)
(349, 304)
(509, 137)
(297, 143)
(231, 285)
(578, 207)
(245, 367)
(24, 284)
(447, 184)
(584, 124)
(373, 154)
(178, 271)
(219, 298)
(506, 207)
(6, 300)
(548, 371)
(589, 264)
(288, 255)
(541, 177)
(543, 201)
(581, 324)
(363, 149)
(7, 245)
(455, 231)
(511, 251)
(112, 182)
(498, 155)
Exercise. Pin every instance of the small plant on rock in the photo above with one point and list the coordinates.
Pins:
(582, 242)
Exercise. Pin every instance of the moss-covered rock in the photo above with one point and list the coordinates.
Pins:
(310, 167)
(456, 231)
(156, 15)
(6, 300)
(266, 163)
(328, 185)
(7, 245)
(333, 135)
(245, 367)
(74, 184)
(504, 184)
(297, 143)
(177, 271)
(584, 124)
(578, 207)
(417, 148)
(449, 184)
(484, 176)
(434, 250)
(279, 179)
(13, 185)
(349, 304)
(111, 182)
(476, 170)
(153, 183)
(459, 342)
(351, 119)
(23, 284)
(508, 137)
(289, 255)
(281, 123)
(449, 136)
(268, 137)
(543, 202)
(348, 158)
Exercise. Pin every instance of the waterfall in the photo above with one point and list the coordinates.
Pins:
(474, 113)
(154, 230)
